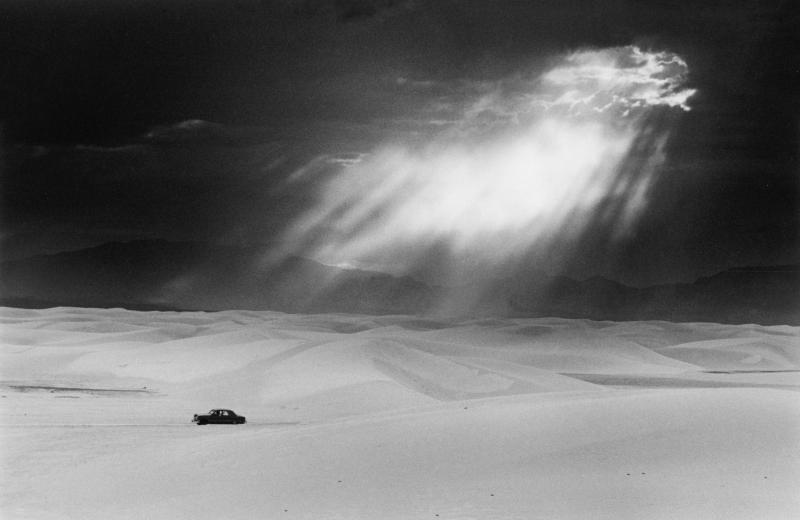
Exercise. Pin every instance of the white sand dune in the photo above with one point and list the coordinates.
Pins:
(741, 353)
(395, 417)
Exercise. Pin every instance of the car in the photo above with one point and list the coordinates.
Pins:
(219, 416)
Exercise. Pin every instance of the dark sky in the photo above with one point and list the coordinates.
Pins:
(132, 118)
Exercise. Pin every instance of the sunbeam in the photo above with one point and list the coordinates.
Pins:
(527, 163)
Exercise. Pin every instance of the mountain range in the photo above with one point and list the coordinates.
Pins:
(164, 275)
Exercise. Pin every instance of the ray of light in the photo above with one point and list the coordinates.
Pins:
(527, 162)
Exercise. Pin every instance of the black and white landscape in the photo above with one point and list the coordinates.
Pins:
(457, 259)
(395, 417)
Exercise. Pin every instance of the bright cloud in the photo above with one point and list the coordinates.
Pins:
(621, 77)
(573, 147)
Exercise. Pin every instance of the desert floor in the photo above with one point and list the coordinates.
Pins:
(353, 417)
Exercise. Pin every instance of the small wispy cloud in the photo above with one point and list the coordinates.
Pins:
(416, 83)
(347, 159)
(107, 149)
(199, 131)
(185, 130)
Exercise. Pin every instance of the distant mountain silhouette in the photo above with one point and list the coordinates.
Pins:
(157, 274)
(162, 275)
(765, 295)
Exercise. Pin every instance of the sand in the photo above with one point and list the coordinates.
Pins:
(354, 417)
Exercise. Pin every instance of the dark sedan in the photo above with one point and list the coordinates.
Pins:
(219, 416)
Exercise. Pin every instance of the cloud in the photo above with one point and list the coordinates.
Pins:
(347, 159)
(416, 83)
(621, 81)
(619, 78)
(200, 132)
